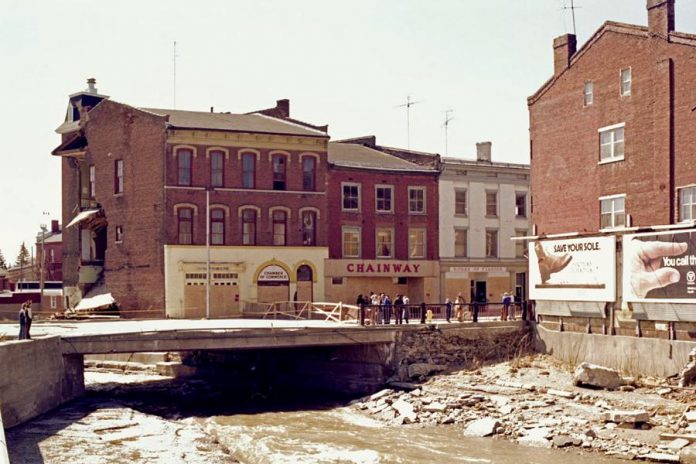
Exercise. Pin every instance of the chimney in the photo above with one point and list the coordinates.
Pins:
(283, 108)
(564, 48)
(91, 82)
(55, 228)
(483, 151)
(660, 17)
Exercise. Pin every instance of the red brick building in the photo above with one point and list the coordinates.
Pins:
(612, 131)
(49, 249)
(382, 224)
(145, 191)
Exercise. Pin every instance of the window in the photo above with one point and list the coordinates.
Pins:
(611, 143)
(309, 220)
(520, 245)
(119, 234)
(385, 243)
(53, 255)
(249, 227)
(54, 302)
(279, 227)
(416, 200)
(92, 181)
(626, 82)
(521, 205)
(460, 202)
(185, 226)
(279, 172)
(248, 170)
(217, 226)
(337, 281)
(184, 163)
(588, 93)
(612, 212)
(687, 203)
(491, 243)
(492, 204)
(416, 243)
(216, 168)
(460, 243)
(118, 176)
(351, 197)
(308, 173)
(383, 198)
(351, 242)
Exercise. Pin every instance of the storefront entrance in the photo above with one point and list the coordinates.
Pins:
(273, 284)
(304, 284)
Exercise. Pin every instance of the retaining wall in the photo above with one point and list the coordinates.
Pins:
(37, 378)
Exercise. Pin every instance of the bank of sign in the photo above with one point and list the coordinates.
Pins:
(660, 267)
(580, 269)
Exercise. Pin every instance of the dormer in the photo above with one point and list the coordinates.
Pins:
(78, 105)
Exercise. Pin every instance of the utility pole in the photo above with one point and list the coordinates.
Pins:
(207, 251)
(42, 267)
(448, 118)
(408, 106)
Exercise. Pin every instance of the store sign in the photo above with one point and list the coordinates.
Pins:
(273, 273)
(477, 269)
(660, 267)
(383, 268)
(581, 269)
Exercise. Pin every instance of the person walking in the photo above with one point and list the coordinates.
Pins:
(30, 318)
(459, 307)
(398, 309)
(448, 309)
(406, 302)
(22, 321)
(506, 306)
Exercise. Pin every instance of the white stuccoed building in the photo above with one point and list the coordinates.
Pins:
(482, 205)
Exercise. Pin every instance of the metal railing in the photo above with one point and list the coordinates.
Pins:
(298, 310)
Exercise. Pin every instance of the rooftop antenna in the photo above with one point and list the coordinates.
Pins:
(572, 9)
(448, 118)
(175, 55)
(408, 106)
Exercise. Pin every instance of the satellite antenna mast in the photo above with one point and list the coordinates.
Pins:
(448, 118)
(175, 74)
(572, 9)
(408, 106)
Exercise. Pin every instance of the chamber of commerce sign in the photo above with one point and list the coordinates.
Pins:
(581, 269)
(273, 273)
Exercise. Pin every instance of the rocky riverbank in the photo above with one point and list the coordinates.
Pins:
(532, 400)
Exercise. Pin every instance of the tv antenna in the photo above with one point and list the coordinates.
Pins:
(448, 119)
(408, 106)
(174, 57)
(572, 9)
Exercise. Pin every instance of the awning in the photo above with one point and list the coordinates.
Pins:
(95, 302)
(82, 216)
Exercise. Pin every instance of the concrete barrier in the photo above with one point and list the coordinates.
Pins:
(4, 458)
(631, 355)
(37, 378)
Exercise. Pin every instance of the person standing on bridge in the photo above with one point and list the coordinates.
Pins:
(22, 322)
(30, 318)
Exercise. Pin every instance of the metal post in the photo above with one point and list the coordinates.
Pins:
(207, 250)
(43, 265)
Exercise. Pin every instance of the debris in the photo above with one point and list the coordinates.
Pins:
(688, 374)
(622, 417)
(561, 393)
(597, 376)
(659, 457)
(405, 409)
(481, 427)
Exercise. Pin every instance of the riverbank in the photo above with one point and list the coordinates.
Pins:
(532, 401)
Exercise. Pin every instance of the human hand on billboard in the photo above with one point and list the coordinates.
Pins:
(645, 261)
(550, 263)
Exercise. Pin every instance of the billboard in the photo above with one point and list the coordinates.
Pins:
(660, 267)
(579, 269)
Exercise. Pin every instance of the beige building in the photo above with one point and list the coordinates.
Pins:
(482, 205)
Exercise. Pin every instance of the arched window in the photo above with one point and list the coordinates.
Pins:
(279, 172)
(309, 227)
(304, 273)
(185, 226)
(309, 164)
(279, 227)
(248, 170)
(217, 168)
(249, 227)
(217, 226)
(183, 157)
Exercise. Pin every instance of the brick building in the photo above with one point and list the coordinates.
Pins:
(49, 250)
(159, 202)
(382, 224)
(612, 131)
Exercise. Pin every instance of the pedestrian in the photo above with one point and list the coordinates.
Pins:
(30, 318)
(361, 309)
(406, 302)
(398, 309)
(459, 307)
(387, 309)
(448, 309)
(422, 308)
(506, 306)
(22, 321)
(374, 307)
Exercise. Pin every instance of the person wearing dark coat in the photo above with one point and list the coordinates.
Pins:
(22, 322)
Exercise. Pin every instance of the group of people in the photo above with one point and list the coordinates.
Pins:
(379, 308)
(25, 319)
(458, 306)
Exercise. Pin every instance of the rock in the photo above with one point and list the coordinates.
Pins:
(380, 394)
(664, 391)
(690, 416)
(175, 369)
(688, 374)
(408, 386)
(659, 457)
(561, 393)
(627, 388)
(481, 427)
(423, 369)
(561, 441)
(688, 454)
(622, 417)
(677, 444)
(505, 410)
(435, 407)
(597, 376)
(537, 438)
(405, 409)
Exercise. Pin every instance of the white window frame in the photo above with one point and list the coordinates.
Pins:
(424, 243)
(54, 302)
(416, 189)
(517, 212)
(351, 184)
(466, 202)
(358, 231)
(588, 93)
(119, 234)
(629, 81)
(614, 211)
(466, 242)
(391, 198)
(391, 244)
(497, 244)
(520, 245)
(494, 192)
(613, 129)
(691, 204)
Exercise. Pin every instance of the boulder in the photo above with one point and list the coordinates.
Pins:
(423, 369)
(623, 417)
(688, 454)
(561, 441)
(597, 376)
(405, 409)
(481, 427)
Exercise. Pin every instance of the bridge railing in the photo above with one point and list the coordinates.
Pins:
(301, 310)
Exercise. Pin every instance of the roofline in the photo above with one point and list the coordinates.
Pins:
(393, 170)
(471, 162)
(172, 126)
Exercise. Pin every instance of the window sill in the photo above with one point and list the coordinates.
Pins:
(384, 212)
(491, 217)
(417, 213)
(611, 160)
(521, 217)
(350, 210)
(461, 215)
(118, 195)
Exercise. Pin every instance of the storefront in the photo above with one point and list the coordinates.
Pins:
(484, 283)
(347, 278)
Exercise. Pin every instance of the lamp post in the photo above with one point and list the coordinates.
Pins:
(44, 228)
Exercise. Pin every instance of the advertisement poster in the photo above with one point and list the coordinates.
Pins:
(660, 267)
(579, 269)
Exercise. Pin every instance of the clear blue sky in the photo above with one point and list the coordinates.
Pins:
(347, 64)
